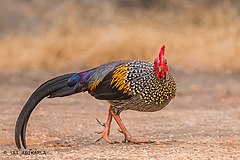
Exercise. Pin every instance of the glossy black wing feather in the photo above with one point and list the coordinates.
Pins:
(106, 91)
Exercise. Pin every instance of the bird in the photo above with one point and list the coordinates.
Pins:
(126, 84)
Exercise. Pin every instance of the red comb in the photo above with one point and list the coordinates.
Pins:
(161, 53)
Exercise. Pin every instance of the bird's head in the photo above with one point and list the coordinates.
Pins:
(160, 65)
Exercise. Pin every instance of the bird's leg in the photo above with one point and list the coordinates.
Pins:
(106, 131)
(124, 130)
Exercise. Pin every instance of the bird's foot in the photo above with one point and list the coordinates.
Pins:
(136, 141)
(129, 138)
(105, 135)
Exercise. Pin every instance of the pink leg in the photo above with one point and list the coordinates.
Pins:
(106, 131)
(124, 130)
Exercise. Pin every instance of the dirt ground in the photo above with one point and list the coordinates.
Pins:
(202, 122)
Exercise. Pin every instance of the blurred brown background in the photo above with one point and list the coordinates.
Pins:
(201, 35)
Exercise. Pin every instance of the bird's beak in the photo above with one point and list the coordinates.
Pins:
(160, 68)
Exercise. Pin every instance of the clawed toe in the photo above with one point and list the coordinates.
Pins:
(120, 131)
(104, 136)
(101, 123)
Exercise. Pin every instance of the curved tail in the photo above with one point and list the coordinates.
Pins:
(57, 87)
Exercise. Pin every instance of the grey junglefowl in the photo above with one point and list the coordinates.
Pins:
(125, 84)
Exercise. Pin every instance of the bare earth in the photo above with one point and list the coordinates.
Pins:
(202, 122)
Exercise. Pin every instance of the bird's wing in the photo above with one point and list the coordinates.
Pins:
(113, 86)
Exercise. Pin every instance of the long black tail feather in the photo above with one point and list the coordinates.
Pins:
(56, 87)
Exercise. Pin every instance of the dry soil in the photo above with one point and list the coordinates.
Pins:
(202, 122)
